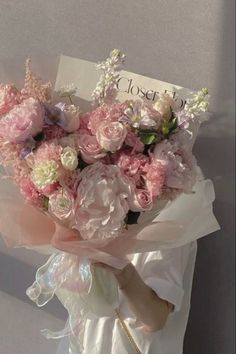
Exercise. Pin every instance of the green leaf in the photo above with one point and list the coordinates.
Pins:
(45, 202)
(148, 137)
(173, 124)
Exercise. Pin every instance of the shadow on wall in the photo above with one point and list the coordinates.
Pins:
(211, 324)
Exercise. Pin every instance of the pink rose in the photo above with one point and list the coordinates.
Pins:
(23, 122)
(105, 113)
(134, 141)
(89, 148)
(141, 200)
(111, 135)
(102, 205)
(9, 97)
(61, 205)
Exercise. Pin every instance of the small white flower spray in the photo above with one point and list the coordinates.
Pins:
(106, 89)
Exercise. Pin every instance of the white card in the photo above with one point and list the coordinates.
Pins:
(84, 76)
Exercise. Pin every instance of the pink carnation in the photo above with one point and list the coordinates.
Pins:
(84, 123)
(30, 192)
(24, 121)
(132, 165)
(48, 151)
(9, 97)
(53, 132)
(155, 177)
(50, 189)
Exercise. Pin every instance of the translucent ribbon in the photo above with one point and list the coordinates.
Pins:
(68, 274)
(83, 291)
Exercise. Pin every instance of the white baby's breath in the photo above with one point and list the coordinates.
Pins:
(68, 90)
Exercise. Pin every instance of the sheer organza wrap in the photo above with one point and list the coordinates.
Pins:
(86, 291)
(83, 290)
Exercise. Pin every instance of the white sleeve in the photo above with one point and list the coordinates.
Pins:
(164, 270)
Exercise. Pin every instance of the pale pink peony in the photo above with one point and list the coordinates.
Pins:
(111, 135)
(141, 200)
(155, 174)
(102, 203)
(9, 97)
(23, 122)
(134, 141)
(89, 148)
(179, 162)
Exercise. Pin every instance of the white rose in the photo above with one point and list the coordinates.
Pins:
(69, 158)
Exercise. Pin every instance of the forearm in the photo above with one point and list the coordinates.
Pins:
(151, 310)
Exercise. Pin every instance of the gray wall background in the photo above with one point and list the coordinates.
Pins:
(186, 42)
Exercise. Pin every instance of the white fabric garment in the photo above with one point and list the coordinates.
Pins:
(170, 274)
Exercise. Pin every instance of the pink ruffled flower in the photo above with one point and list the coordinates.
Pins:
(89, 148)
(132, 165)
(154, 177)
(105, 113)
(134, 141)
(141, 200)
(70, 180)
(53, 132)
(102, 203)
(111, 135)
(9, 97)
(30, 192)
(23, 122)
(179, 162)
(48, 151)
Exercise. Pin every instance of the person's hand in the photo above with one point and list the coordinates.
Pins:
(123, 276)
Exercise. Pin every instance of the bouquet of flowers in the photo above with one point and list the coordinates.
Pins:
(91, 183)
